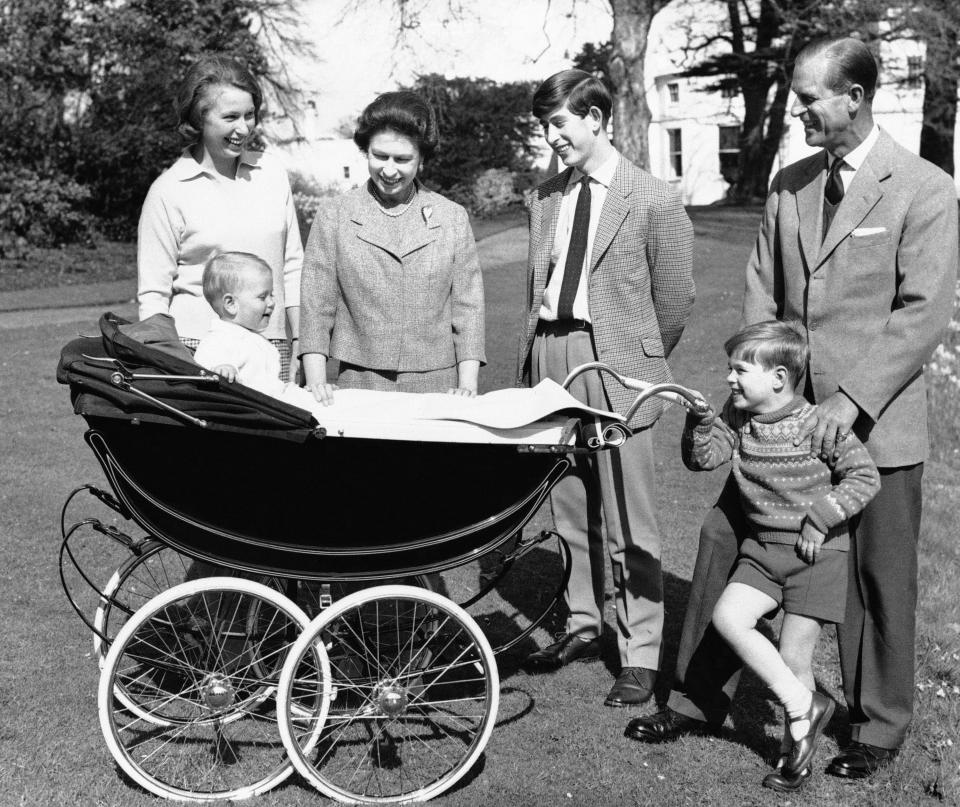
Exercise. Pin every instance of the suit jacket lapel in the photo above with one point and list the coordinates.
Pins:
(861, 197)
(612, 214)
(810, 211)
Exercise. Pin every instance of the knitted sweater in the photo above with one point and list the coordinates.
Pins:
(782, 485)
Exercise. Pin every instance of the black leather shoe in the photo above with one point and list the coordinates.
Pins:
(779, 781)
(569, 648)
(801, 755)
(633, 686)
(663, 727)
(859, 760)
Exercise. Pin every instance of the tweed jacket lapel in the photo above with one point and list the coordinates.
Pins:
(422, 230)
(861, 197)
(614, 211)
(551, 214)
(426, 227)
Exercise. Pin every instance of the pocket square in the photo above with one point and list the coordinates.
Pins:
(860, 232)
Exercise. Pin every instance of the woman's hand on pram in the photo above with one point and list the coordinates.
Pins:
(323, 392)
(227, 372)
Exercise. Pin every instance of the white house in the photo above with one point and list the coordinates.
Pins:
(693, 136)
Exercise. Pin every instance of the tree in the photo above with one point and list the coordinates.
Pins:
(938, 24)
(482, 124)
(86, 87)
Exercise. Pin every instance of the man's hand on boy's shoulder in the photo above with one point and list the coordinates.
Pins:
(828, 425)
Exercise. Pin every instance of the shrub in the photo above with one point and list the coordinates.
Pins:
(943, 395)
(491, 192)
(307, 196)
(46, 210)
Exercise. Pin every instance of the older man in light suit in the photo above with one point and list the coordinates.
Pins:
(609, 278)
(859, 243)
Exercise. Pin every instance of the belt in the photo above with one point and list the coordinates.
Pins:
(563, 325)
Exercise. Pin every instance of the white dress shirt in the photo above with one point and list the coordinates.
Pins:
(853, 161)
(600, 180)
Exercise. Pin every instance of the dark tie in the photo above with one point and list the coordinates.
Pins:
(832, 194)
(576, 252)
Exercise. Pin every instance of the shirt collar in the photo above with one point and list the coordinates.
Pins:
(225, 326)
(857, 157)
(187, 168)
(602, 174)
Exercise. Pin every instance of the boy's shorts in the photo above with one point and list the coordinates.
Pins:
(818, 591)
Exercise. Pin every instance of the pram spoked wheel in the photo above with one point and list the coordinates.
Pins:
(193, 661)
(414, 692)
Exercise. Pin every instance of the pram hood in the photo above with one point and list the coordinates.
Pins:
(151, 347)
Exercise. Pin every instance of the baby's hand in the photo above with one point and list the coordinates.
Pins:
(462, 391)
(323, 392)
(809, 542)
(227, 372)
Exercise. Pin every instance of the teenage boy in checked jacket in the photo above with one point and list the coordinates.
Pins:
(609, 278)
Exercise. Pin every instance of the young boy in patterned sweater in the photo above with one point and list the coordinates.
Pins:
(796, 507)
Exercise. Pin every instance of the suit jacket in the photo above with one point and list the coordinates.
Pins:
(874, 296)
(640, 285)
(365, 299)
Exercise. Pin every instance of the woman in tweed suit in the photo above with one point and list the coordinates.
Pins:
(391, 284)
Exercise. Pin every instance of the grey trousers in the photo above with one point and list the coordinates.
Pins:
(605, 507)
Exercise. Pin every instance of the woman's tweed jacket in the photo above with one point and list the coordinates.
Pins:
(407, 307)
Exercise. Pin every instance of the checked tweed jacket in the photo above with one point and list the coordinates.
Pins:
(640, 287)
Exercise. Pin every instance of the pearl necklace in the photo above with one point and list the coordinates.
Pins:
(398, 209)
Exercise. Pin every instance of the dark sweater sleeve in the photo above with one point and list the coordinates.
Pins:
(708, 443)
(858, 483)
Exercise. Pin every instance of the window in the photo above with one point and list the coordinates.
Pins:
(676, 153)
(914, 72)
(729, 152)
(346, 172)
(729, 88)
(673, 90)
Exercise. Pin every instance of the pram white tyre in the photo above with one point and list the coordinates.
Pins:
(413, 701)
(203, 729)
(157, 568)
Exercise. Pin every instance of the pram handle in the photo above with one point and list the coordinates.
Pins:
(676, 393)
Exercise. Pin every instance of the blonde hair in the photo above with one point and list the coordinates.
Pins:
(223, 274)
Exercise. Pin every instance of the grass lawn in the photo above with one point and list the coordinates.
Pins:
(555, 743)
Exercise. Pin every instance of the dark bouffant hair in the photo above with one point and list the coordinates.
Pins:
(851, 62)
(193, 101)
(405, 113)
(577, 89)
(770, 344)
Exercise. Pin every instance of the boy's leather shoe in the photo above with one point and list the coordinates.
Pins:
(860, 760)
(633, 686)
(663, 727)
(819, 714)
(569, 648)
(779, 781)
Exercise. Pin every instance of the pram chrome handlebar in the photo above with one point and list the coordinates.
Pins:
(676, 393)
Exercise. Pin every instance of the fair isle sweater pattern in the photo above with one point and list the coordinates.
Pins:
(781, 484)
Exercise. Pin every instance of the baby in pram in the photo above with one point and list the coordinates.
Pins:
(239, 288)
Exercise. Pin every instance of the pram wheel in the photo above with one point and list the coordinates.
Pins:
(192, 661)
(155, 569)
(414, 692)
